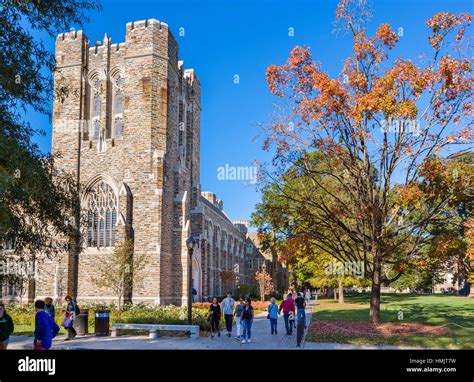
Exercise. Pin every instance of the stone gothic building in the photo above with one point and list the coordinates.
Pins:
(137, 157)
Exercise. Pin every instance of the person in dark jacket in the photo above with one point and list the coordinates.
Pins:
(300, 309)
(215, 315)
(72, 310)
(247, 320)
(49, 307)
(45, 328)
(6, 327)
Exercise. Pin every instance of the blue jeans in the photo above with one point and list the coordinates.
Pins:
(301, 315)
(247, 329)
(288, 326)
(273, 324)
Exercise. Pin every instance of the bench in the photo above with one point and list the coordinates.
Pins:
(153, 329)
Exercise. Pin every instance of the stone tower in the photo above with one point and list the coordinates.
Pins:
(127, 127)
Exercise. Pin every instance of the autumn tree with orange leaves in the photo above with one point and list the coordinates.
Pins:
(387, 123)
(264, 282)
(228, 280)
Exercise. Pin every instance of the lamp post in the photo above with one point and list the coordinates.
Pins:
(190, 243)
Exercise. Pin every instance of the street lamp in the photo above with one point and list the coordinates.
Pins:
(190, 243)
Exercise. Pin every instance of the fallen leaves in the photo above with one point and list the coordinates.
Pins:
(366, 328)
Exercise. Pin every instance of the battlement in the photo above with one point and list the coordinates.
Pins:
(190, 75)
(118, 46)
(146, 24)
(72, 35)
(131, 27)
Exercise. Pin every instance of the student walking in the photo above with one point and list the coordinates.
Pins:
(45, 328)
(273, 315)
(228, 309)
(308, 296)
(238, 317)
(49, 307)
(6, 327)
(301, 306)
(291, 314)
(72, 310)
(247, 320)
(215, 315)
(288, 307)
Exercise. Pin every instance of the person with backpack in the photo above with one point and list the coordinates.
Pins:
(49, 307)
(238, 320)
(72, 310)
(300, 309)
(45, 328)
(247, 320)
(273, 315)
(228, 309)
(215, 317)
(288, 308)
(6, 327)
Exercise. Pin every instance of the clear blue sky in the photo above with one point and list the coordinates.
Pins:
(224, 38)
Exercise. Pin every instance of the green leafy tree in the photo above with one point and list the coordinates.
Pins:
(38, 204)
(122, 272)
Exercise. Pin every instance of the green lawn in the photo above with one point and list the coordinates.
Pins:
(435, 310)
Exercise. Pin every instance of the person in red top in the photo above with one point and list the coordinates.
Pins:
(288, 307)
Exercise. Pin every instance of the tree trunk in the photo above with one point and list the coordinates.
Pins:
(31, 290)
(341, 292)
(375, 292)
(334, 291)
(128, 277)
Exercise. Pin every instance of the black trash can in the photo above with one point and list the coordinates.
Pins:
(81, 323)
(102, 321)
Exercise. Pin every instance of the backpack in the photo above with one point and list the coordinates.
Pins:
(76, 309)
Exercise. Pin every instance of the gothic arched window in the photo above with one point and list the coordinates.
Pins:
(101, 216)
(95, 106)
(117, 105)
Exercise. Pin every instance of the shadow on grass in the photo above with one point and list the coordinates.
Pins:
(435, 310)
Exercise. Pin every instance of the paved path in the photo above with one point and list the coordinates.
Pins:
(261, 339)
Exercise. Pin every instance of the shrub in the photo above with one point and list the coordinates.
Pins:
(139, 314)
(243, 290)
(276, 295)
(260, 306)
(131, 313)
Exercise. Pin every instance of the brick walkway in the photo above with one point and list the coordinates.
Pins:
(261, 339)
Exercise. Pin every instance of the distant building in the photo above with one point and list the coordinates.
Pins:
(256, 259)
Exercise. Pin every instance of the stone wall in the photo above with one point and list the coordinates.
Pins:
(141, 163)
